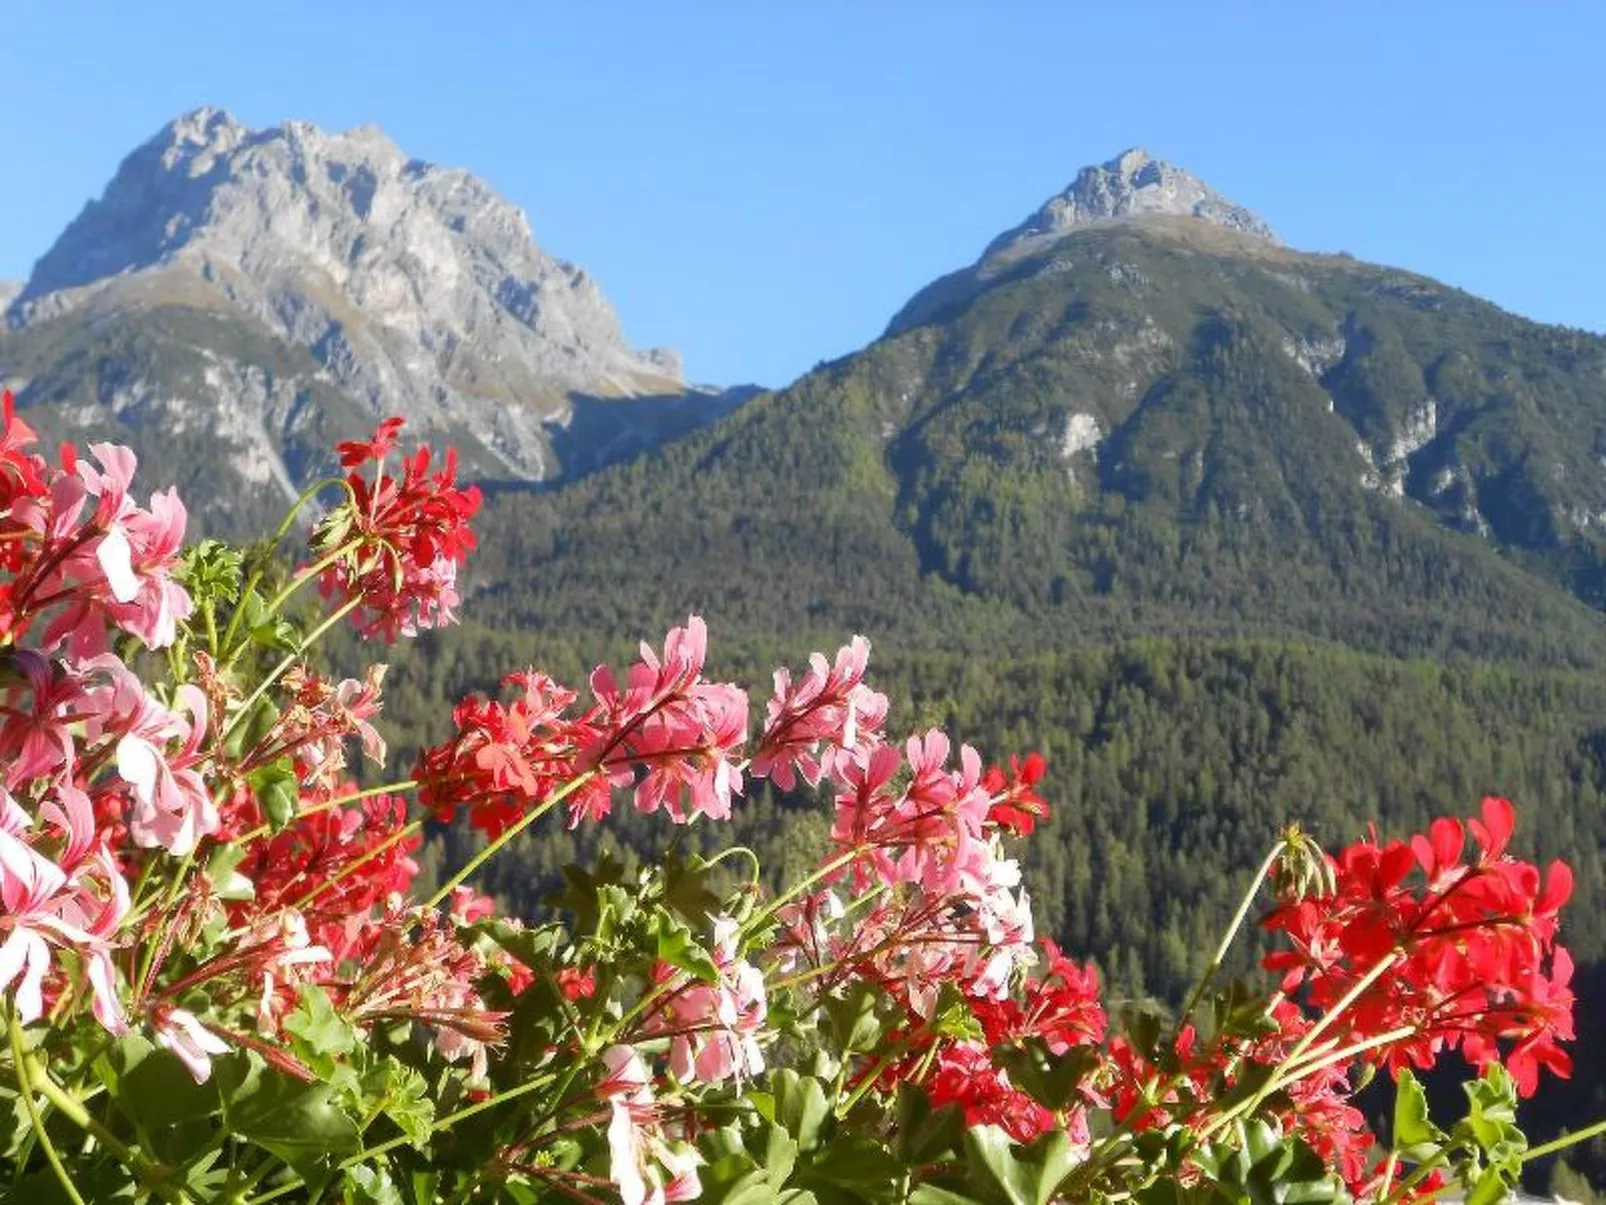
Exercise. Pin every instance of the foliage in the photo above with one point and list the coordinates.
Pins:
(220, 982)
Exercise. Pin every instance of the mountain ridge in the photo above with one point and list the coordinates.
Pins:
(1148, 429)
(401, 286)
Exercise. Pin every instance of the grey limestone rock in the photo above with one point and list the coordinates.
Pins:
(417, 288)
(1132, 185)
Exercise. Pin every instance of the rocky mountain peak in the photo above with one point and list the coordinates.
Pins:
(1132, 185)
(201, 133)
(418, 289)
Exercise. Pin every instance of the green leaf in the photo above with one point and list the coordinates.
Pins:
(277, 792)
(953, 1017)
(321, 1029)
(154, 1089)
(929, 1194)
(780, 1156)
(581, 896)
(994, 1167)
(368, 1185)
(860, 1163)
(854, 1023)
(210, 572)
(521, 1190)
(403, 1095)
(1490, 1188)
(686, 890)
(1256, 1162)
(299, 1122)
(926, 1134)
(1415, 1136)
(1052, 1080)
(1143, 1026)
(801, 1107)
(734, 1179)
(250, 732)
(1240, 1011)
(278, 634)
(678, 946)
(1051, 1157)
(531, 945)
(421, 1187)
(222, 872)
(270, 631)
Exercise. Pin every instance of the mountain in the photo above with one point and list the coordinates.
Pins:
(1233, 534)
(1136, 413)
(264, 289)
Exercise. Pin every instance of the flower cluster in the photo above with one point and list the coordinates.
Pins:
(1448, 954)
(665, 732)
(77, 549)
(713, 1028)
(392, 549)
(1060, 1010)
(93, 760)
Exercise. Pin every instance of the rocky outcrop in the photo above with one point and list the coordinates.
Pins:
(416, 288)
(1132, 185)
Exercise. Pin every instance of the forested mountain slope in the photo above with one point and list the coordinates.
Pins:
(1155, 427)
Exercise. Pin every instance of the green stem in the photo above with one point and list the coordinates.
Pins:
(32, 1072)
(523, 822)
(303, 576)
(1390, 1166)
(798, 889)
(278, 671)
(1289, 1073)
(174, 889)
(209, 613)
(1402, 1192)
(249, 1180)
(865, 1084)
(35, 1119)
(307, 495)
(1231, 935)
(738, 851)
(1332, 1014)
(1566, 1140)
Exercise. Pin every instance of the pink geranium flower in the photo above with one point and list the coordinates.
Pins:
(172, 807)
(45, 907)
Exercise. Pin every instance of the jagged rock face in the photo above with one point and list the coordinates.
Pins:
(1132, 185)
(417, 289)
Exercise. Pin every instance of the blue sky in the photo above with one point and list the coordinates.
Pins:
(761, 185)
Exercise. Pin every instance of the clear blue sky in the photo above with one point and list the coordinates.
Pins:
(761, 184)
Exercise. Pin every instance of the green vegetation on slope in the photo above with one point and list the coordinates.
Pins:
(922, 488)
